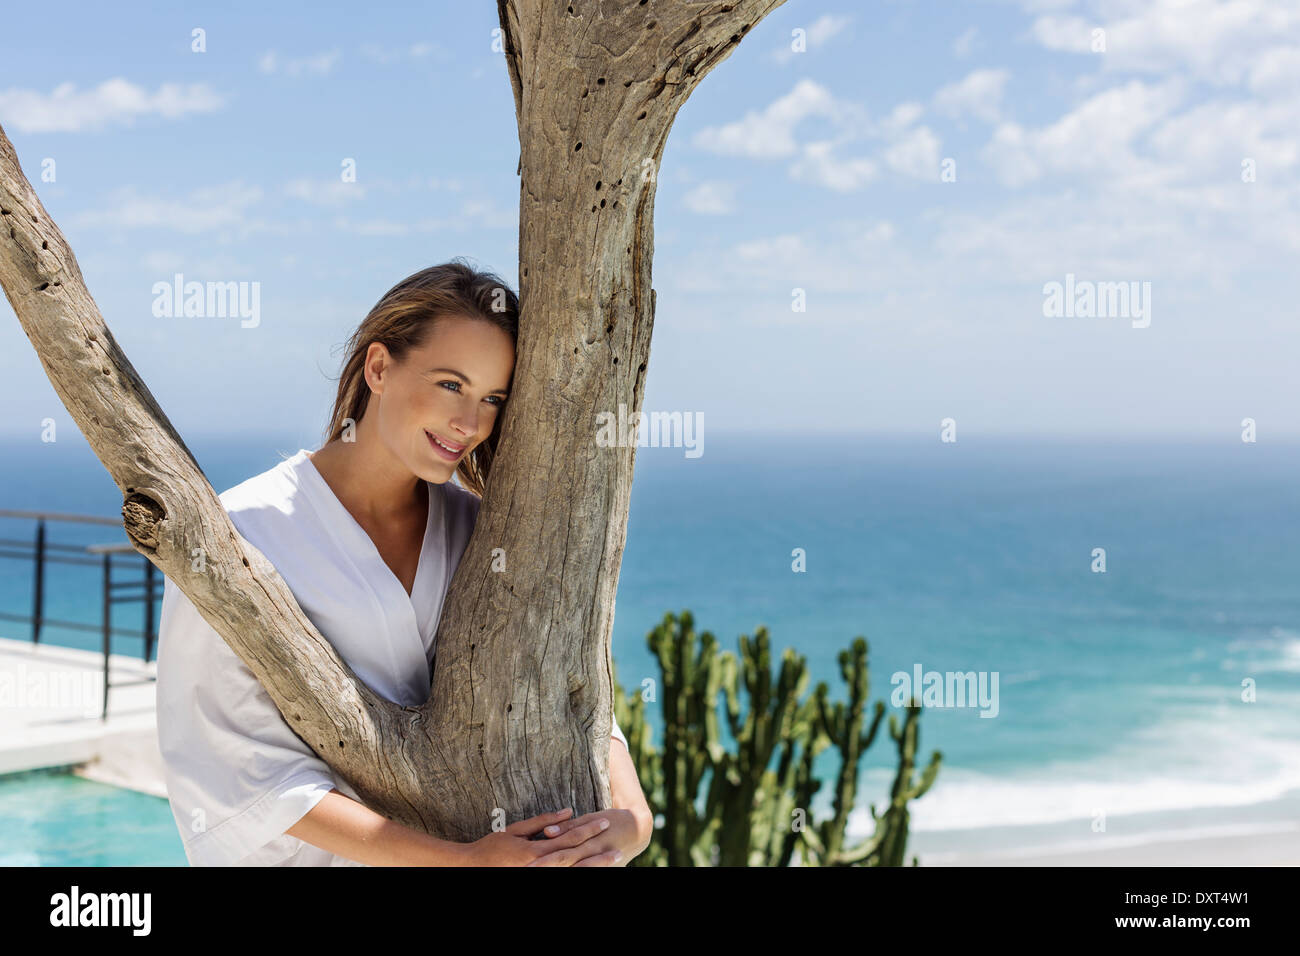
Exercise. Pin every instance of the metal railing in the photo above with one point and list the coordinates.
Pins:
(40, 552)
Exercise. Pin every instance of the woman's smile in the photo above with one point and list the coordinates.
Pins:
(444, 449)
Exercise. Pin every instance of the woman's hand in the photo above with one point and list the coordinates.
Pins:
(616, 846)
(512, 846)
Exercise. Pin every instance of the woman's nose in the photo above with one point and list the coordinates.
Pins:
(465, 426)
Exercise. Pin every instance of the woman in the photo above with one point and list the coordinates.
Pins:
(367, 532)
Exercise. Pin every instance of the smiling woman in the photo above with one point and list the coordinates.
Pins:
(418, 424)
(457, 327)
(367, 532)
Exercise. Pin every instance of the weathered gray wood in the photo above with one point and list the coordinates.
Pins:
(519, 713)
(169, 507)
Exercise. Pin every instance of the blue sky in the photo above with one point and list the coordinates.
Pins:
(819, 170)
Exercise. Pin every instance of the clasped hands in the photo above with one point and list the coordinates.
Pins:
(602, 838)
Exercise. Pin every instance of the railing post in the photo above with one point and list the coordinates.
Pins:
(148, 607)
(108, 624)
(39, 591)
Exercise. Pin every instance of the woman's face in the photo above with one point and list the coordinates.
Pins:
(451, 389)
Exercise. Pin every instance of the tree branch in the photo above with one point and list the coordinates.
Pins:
(169, 508)
(518, 717)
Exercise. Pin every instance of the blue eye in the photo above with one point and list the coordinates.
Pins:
(496, 400)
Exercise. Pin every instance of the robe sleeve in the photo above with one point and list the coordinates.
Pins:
(617, 733)
(237, 777)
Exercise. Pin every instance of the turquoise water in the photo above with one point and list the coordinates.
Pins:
(1119, 692)
(55, 818)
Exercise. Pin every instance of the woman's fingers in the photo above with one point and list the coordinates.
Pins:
(560, 850)
(609, 858)
(556, 829)
(535, 824)
(579, 834)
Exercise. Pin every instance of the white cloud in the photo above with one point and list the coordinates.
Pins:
(1143, 176)
(488, 214)
(203, 210)
(1276, 70)
(1011, 154)
(965, 44)
(1097, 137)
(485, 214)
(318, 64)
(1039, 238)
(833, 257)
(825, 27)
(410, 51)
(335, 192)
(167, 262)
(770, 134)
(115, 101)
(1209, 141)
(902, 116)
(712, 199)
(915, 153)
(324, 193)
(385, 227)
(1069, 34)
(1185, 246)
(1218, 41)
(819, 165)
(822, 29)
(789, 249)
(978, 94)
(1141, 134)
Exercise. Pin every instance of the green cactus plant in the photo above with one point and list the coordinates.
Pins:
(749, 813)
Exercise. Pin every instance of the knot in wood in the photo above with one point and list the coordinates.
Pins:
(140, 516)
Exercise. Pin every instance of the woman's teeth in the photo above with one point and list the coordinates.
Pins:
(437, 441)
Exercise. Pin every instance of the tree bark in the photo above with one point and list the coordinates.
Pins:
(518, 718)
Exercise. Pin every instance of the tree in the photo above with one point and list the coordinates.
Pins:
(597, 85)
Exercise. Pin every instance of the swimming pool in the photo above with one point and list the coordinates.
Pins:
(55, 818)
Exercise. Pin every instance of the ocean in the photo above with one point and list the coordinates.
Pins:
(1161, 694)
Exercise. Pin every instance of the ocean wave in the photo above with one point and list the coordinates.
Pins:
(1177, 765)
(1113, 842)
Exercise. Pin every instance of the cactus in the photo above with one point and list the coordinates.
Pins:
(754, 814)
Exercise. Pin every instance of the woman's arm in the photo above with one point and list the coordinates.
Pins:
(342, 826)
(626, 794)
(631, 824)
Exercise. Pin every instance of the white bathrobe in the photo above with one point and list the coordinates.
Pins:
(237, 776)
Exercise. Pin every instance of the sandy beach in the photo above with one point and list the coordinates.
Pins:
(1276, 848)
(1259, 834)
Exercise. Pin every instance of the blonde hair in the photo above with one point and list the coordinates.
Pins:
(402, 320)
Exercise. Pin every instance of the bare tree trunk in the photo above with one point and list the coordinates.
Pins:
(519, 713)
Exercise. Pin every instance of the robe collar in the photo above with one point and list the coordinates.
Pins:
(412, 619)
